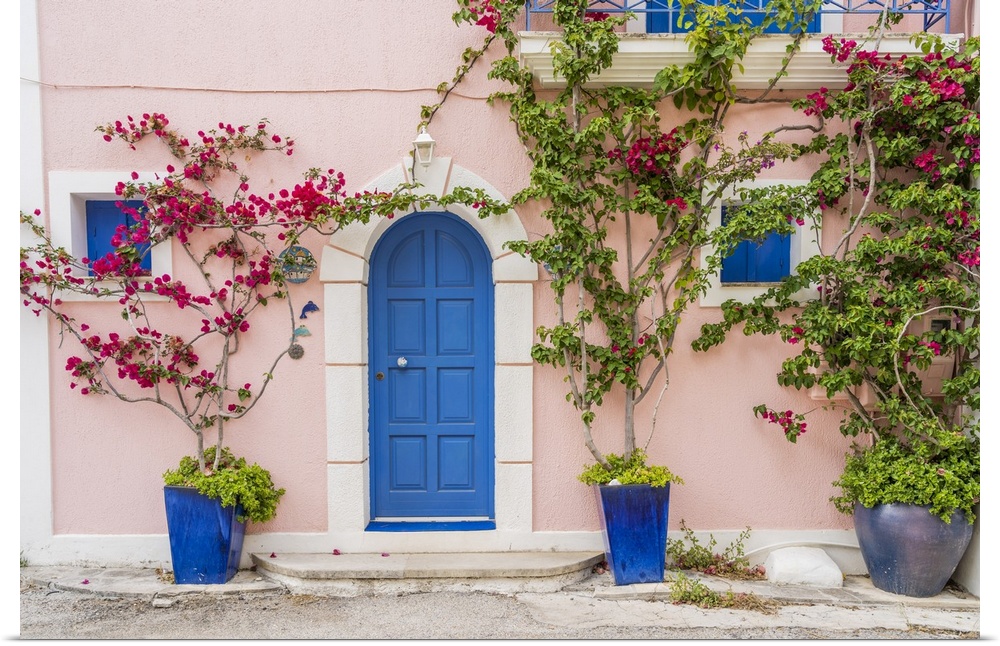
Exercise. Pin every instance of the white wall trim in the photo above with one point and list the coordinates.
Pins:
(153, 550)
(35, 404)
(344, 270)
(640, 56)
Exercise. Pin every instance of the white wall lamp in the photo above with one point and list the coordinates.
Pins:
(423, 148)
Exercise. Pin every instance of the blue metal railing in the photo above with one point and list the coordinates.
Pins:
(932, 11)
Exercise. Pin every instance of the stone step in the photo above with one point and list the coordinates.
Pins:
(399, 573)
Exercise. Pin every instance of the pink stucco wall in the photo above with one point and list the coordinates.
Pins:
(348, 93)
(346, 81)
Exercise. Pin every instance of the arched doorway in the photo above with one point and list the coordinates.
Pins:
(345, 271)
(431, 366)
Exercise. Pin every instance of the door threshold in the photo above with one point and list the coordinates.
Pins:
(430, 525)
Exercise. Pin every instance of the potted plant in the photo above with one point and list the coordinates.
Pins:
(896, 295)
(626, 199)
(178, 336)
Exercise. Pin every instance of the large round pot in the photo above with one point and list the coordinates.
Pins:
(206, 539)
(634, 519)
(907, 549)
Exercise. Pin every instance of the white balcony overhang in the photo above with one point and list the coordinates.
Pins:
(641, 56)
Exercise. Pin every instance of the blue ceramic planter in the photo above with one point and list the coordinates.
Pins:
(909, 551)
(634, 518)
(206, 540)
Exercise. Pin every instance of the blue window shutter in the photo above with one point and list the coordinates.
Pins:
(103, 218)
(666, 23)
(753, 261)
(770, 263)
(662, 23)
(735, 268)
(757, 17)
(735, 265)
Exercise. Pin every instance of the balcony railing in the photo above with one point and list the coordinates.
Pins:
(933, 12)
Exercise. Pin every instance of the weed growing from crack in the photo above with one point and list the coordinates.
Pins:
(687, 590)
(731, 563)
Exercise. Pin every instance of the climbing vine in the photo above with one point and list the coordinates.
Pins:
(175, 341)
(627, 184)
(896, 291)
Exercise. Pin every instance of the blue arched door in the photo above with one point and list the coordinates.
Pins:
(431, 372)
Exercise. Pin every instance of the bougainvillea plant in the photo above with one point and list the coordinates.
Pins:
(627, 185)
(897, 291)
(178, 334)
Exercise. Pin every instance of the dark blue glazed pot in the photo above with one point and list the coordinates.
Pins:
(908, 550)
(634, 518)
(206, 540)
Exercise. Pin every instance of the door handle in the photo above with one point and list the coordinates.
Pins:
(401, 362)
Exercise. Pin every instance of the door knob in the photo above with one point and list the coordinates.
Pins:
(401, 362)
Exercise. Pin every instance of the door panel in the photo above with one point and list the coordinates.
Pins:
(455, 396)
(407, 335)
(407, 404)
(455, 334)
(431, 314)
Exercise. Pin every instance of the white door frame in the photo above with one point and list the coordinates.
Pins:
(344, 274)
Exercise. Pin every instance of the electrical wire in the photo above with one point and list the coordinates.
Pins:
(72, 86)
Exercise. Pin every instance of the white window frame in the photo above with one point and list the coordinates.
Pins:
(68, 195)
(804, 243)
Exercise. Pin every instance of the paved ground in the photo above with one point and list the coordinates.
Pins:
(56, 604)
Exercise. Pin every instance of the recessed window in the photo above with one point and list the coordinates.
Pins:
(757, 261)
(755, 265)
(72, 198)
(103, 219)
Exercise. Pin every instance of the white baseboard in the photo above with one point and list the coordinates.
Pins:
(153, 550)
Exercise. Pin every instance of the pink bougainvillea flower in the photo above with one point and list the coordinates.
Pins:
(85, 582)
(385, 554)
(336, 552)
(273, 555)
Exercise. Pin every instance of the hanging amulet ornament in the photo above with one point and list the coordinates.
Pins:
(297, 264)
